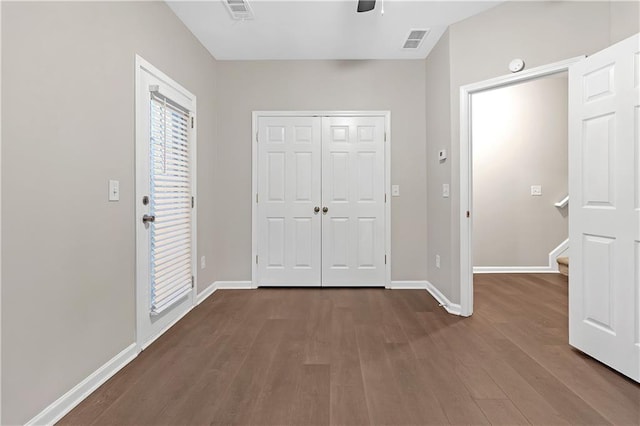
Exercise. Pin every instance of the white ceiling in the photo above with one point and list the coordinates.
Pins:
(321, 29)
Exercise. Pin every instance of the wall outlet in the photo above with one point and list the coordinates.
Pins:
(536, 190)
(395, 190)
(203, 262)
(438, 261)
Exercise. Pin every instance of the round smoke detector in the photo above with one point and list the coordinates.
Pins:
(516, 65)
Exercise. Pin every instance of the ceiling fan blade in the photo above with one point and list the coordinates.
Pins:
(366, 5)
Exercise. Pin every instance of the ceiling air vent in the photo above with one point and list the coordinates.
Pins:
(415, 39)
(239, 9)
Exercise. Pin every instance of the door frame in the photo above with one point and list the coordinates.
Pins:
(466, 167)
(141, 65)
(254, 177)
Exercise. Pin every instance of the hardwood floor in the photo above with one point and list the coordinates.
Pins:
(368, 356)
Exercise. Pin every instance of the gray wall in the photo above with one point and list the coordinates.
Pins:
(245, 86)
(68, 127)
(480, 48)
(438, 125)
(519, 139)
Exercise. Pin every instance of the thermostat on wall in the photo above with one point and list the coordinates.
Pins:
(442, 154)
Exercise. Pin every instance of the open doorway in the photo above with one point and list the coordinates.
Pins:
(520, 176)
(466, 175)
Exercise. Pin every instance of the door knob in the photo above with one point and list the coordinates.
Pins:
(325, 210)
(316, 209)
(146, 218)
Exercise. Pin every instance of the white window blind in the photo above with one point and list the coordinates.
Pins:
(170, 204)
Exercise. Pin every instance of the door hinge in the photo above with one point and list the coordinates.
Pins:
(385, 197)
(385, 259)
(192, 120)
(193, 202)
(256, 137)
(468, 214)
(256, 259)
(193, 282)
(256, 197)
(385, 136)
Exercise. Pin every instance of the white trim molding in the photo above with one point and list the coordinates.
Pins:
(551, 268)
(466, 183)
(409, 285)
(75, 396)
(204, 294)
(513, 270)
(452, 308)
(233, 285)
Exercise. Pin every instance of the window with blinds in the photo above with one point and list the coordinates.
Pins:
(170, 204)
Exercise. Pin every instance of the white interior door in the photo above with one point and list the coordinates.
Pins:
(165, 235)
(288, 201)
(604, 218)
(320, 212)
(353, 199)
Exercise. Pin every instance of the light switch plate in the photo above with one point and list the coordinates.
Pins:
(445, 190)
(395, 190)
(536, 190)
(114, 190)
(203, 262)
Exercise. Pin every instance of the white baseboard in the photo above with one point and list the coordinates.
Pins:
(452, 308)
(233, 285)
(408, 285)
(551, 268)
(71, 399)
(202, 296)
(513, 270)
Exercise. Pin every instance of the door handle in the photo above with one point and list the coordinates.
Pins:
(316, 209)
(146, 218)
(325, 210)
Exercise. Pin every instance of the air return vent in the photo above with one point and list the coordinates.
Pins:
(239, 9)
(414, 39)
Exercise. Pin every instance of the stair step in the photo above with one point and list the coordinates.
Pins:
(563, 265)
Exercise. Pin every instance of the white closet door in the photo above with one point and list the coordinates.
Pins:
(604, 218)
(288, 194)
(353, 228)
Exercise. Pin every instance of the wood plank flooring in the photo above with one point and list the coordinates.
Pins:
(368, 356)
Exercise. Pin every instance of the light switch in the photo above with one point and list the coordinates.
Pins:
(114, 190)
(536, 190)
(445, 190)
(395, 190)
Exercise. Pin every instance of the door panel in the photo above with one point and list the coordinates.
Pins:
(598, 282)
(604, 218)
(353, 185)
(289, 189)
